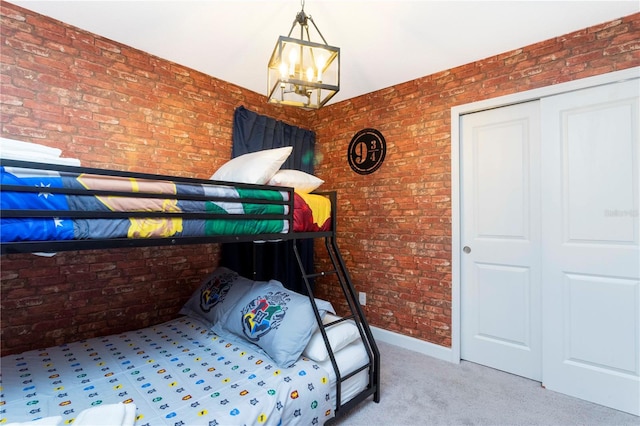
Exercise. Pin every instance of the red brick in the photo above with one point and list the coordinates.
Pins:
(117, 107)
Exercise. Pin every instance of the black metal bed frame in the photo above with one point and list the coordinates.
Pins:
(338, 271)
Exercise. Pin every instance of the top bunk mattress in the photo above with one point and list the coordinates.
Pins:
(45, 203)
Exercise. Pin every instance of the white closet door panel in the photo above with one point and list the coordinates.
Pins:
(501, 176)
(590, 245)
(589, 294)
(503, 292)
(500, 280)
(596, 181)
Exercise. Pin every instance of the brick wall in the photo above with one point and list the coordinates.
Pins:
(115, 107)
(395, 224)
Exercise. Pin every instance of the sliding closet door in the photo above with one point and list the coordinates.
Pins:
(500, 262)
(590, 244)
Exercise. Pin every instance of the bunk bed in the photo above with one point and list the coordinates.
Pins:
(190, 370)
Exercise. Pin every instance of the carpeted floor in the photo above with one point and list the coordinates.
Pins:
(420, 390)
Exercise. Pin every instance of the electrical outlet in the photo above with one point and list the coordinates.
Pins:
(362, 298)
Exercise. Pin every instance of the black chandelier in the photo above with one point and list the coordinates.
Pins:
(301, 72)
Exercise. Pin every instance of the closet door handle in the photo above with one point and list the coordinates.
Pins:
(466, 249)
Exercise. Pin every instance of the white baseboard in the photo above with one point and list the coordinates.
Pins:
(413, 344)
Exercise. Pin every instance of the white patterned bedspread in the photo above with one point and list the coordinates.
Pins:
(177, 373)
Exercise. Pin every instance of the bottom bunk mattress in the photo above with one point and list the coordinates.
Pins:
(176, 373)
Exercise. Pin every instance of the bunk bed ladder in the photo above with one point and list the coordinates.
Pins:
(357, 316)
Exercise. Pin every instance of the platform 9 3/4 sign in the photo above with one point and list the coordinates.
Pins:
(367, 150)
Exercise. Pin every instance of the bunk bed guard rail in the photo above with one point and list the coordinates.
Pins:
(223, 211)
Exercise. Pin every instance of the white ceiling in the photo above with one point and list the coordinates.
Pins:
(382, 42)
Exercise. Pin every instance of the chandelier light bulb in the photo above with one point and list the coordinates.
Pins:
(283, 69)
(293, 57)
(309, 74)
(320, 63)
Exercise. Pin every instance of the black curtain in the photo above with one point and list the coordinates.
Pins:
(263, 261)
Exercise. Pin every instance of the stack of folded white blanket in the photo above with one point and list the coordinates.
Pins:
(103, 415)
(27, 151)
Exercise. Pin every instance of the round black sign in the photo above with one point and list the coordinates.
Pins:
(366, 151)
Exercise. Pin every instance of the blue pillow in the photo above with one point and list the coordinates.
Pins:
(217, 294)
(277, 320)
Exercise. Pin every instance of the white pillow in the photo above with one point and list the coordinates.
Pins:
(298, 180)
(255, 167)
(339, 335)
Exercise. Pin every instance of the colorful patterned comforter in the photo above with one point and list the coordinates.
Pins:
(190, 210)
(176, 373)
